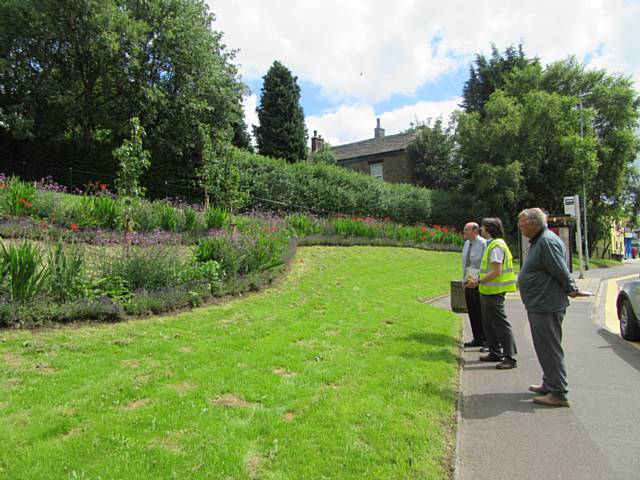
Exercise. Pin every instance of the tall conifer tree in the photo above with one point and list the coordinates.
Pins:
(282, 132)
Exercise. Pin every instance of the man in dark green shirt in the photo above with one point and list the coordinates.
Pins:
(544, 283)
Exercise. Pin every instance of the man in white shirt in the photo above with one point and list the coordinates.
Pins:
(471, 258)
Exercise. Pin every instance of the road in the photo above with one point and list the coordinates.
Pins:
(503, 434)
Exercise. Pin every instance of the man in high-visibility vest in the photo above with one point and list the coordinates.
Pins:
(497, 278)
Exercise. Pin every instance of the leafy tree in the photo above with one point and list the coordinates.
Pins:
(71, 77)
(324, 154)
(491, 74)
(435, 155)
(282, 132)
(218, 174)
(133, 160)
(525, 145)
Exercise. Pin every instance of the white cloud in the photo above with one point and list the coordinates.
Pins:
(364, 51)
(353, 123)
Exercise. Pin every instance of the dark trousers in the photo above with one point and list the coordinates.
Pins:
(496, 326)
(546, 332)
(472, 296)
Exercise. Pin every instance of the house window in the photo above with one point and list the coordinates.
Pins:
(375, 169)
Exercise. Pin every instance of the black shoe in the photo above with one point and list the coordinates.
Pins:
(492, 357)
(473, 343)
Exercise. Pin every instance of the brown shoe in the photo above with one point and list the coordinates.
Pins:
(551, 400)
(506, 365)
(539, 389)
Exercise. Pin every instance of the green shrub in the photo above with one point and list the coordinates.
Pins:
(239, 254)
(67, 280)
(353, 227)
(48, 205)
(302, 224)
(149, 268)
(26, 275)
(102, 310)
(18, 196)
(159, 301)
(106, 211)
(222, 250)
(276, 184)
(190, 219)
(142, 216)
(216, 218)
(167, 216)
(205, 273)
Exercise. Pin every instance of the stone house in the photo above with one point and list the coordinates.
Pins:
(382, 156)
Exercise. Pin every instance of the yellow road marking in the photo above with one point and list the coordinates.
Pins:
(610, 311)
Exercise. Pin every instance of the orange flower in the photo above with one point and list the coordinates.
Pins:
(25, 202)
(73, 226)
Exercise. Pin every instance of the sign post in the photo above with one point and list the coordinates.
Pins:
(572, 207)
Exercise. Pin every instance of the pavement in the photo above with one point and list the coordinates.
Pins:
(502, 434)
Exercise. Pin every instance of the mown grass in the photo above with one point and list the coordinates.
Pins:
(341, 372)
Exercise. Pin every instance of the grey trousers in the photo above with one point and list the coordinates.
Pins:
(546, 330)
(496, 327)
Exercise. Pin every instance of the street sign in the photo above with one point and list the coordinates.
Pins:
(570, 205)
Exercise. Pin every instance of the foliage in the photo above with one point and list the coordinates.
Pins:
(302, 224)
(433, 151)
(168, 216)
(532, 136)
(149, 268)
(67, 279)
(282, 132)
(218, 174)
(327, 189)
(241, 254)
(24, 270)
(72, 77)
(491, 74)
(324, 154)
(106, 211)
(133, 161)
(216, 218)
(17, 196)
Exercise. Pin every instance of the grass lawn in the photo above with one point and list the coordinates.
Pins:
(340, 372)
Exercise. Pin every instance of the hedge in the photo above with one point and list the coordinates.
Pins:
(327, 189)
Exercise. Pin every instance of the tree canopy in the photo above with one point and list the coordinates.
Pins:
(71, 78)
(520, 142)
(282, 132)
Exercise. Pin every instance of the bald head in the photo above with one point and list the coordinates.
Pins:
(471, 231)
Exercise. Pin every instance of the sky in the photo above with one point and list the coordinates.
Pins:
(406, 61)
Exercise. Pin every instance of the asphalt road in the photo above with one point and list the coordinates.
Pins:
(502, 434)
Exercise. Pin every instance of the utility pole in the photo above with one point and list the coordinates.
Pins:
(577, 207)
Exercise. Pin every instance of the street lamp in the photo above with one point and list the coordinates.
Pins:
(584, 187)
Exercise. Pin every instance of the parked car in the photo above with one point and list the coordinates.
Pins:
(628, 303)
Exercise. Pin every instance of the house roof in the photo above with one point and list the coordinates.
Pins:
(374, 146)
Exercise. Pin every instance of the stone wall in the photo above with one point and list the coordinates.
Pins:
(397, 168)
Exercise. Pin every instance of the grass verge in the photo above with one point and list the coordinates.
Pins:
(341, 372)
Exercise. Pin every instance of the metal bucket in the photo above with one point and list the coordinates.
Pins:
(458, 302)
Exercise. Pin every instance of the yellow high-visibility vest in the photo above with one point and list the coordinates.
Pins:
(506, 281)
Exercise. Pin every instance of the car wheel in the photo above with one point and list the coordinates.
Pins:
(629, 327)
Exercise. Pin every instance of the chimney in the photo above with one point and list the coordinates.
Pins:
(378, 132)
(316, 142)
